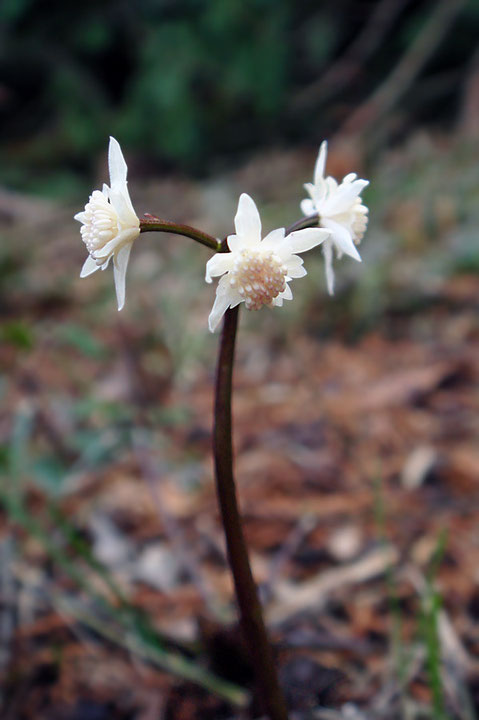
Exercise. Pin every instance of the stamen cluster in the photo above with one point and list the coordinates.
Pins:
(360, 221)
(100, 223)
(258, 276)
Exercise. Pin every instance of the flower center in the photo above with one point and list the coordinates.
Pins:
(360, 222)
(258, 276)
(100, 224)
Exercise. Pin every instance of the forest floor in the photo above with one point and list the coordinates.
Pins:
(356, 425)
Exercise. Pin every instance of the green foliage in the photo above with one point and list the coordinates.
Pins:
(79, 338)
(182, 83)
(401, 657)
(18, 334)
(198, 74)
(431, 606)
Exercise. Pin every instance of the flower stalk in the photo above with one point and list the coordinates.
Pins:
(251, 616)
(155, 224)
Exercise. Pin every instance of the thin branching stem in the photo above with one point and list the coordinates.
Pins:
(303, 223)
(154, 224)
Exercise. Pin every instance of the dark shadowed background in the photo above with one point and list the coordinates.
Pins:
(196, 86)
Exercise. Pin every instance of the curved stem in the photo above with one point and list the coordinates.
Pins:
(251, 616)
(302, 223)
(157, 225)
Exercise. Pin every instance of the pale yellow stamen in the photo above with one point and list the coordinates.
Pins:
(258, 276)
(100, 224)
(360, 222)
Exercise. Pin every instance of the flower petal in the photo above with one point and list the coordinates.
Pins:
(89, 267)
(235, 243)
(218, 264)
(120, 263)
(287, 293)
(125, 236)
(328, 265)
(80, 216)
(116, 163)
(247, 220)
(303, 240)
(224, 288)
(342, 238)
(294, 267)
(273, 239)
(307, 206)
(343, 197)
(120, 199)
(320, 163)
(220, 306)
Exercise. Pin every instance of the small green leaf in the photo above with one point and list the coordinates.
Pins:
(18, 334)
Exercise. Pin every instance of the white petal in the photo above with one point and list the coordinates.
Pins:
(81, 216)
(320, 163)
(342, 238)
(120, 263)
(247, 220)
(277, 301)
(328, 264)
(218, 264)
(224, 286)
(116, 163)
(273, 239)
(341, 200)
(294, 267)
(123, 237)
(221, 304)
(89, 267)
(120, 199)
(287, 294)
(235, 243)
(294, 261)
(349, 177)
(109, 248)
(307, 206)
(284, 249)
(319, 192)
(306, 239)
(331, 184)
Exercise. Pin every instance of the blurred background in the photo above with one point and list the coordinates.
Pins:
(356, 416)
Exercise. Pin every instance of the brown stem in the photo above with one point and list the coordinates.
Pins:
(157, 225)
(251, 616)
(303, 223)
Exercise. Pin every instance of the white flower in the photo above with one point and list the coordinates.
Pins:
(258, 271)
(109, 224)
(340, 210)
